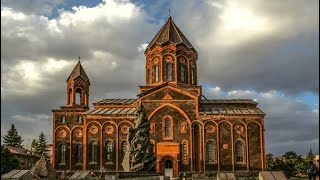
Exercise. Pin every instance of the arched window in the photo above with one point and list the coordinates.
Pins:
(192, 76)
(94, 152)
(63, 154)
(109, 151)
(211, 152)
(169, 71)
(185, 152)
(78, 99)
(182, 73)
(239, 148)
(156, 73)
(79, 119)
(63, 120)
(167, 127)
(79, 154)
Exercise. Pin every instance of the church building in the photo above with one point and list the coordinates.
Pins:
(190, 133)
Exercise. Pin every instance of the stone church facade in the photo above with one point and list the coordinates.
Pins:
(189, 131)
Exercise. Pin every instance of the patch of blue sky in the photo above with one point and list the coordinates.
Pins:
(67, 5)
(309, 98)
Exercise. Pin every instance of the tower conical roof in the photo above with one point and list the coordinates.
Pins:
(78, 71)
(170, 32)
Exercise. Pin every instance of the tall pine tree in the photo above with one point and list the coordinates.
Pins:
(310, 155)
(41, 143)
(12, 138)
(34, 145)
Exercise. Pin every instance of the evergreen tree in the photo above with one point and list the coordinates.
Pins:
(12, 138)
(41, 143)
(8, 161)
(269, 159)
(34, 145)
(310, 156)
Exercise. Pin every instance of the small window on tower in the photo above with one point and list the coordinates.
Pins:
(63, 120)
(169, 71)
(79, 119)
(182, 73)
(156, 73)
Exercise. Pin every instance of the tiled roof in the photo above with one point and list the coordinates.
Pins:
(112, 111)
(170, 32)
(78, 71)
(21, 151)
(230, 111)
(117, 101)
(227, 101)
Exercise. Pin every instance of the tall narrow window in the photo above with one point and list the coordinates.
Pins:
(147, 76)
(211, 152)
(192, 76)
(124, 147)
(94, 152)
(167, 127)
(239, 148)
(185, 152)
(109, 152)
(182, 73)
(169, 71)
(79, 154)
(79, 119)
(63, 119)
(63, 154)
(156, 73)
(78, 99)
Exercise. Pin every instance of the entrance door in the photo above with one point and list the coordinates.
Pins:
(168, 170)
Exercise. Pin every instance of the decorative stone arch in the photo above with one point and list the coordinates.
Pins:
(261, 146)
(174, 107)
(59, 127)
(174, 164)
(124, 121)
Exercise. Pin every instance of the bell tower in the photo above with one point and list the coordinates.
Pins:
(78, 83)
(171, 58)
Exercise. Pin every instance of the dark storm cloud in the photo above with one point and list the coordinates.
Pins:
(280, 53)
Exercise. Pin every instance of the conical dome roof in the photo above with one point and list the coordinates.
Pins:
(78, 71)
(170, 32)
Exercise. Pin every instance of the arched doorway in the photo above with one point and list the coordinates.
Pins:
(168, 166)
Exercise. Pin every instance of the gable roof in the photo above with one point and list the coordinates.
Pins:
(170, 32)
(78, 71)
(164, 85)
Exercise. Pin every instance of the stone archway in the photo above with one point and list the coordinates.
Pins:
(168, 166)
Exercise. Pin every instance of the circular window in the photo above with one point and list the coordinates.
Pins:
(93, 129)
(124, 129)
(62, 134)
(211, 129)
(78, 133)
(109, 129)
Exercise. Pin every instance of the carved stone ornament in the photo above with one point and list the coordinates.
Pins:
(78, 133)
(124, 129)
(62, 133)
(182, 60)
(225, 146)
(192, 64)
(238, 129)
(156, 60)
(152, 128)
(183, 128)
(93, 129)
(110, 129)
(211, 129)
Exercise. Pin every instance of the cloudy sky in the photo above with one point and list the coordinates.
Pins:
(263, 50)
